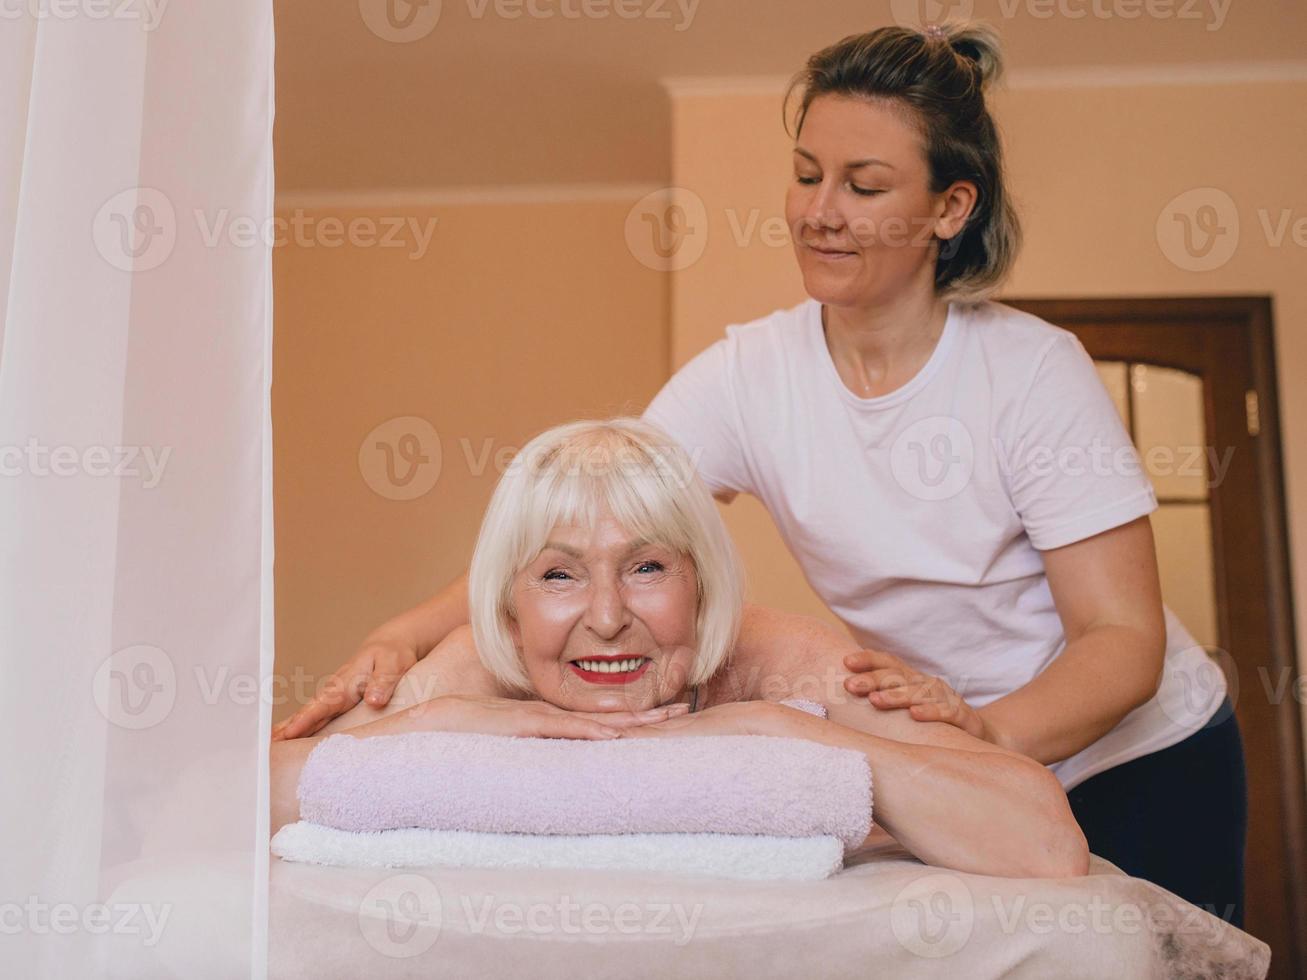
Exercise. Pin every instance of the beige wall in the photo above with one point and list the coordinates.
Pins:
(518, 316)
(1091, 167)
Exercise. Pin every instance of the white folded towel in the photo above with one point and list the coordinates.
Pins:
(746, 856)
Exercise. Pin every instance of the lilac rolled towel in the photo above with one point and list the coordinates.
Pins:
(724, 784)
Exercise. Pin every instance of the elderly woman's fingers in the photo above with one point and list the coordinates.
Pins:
(736, 718)
(632, 719)
(569, 725)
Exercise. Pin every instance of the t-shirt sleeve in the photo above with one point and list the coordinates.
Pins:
(1073, 471)
(697, 408)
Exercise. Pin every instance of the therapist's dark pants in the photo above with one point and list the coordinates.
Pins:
(1176, 817)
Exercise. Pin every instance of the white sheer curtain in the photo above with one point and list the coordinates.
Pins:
(135, 486)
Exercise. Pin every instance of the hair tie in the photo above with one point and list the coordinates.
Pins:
(936, 30)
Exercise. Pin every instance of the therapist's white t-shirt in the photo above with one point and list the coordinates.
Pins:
(919, 516)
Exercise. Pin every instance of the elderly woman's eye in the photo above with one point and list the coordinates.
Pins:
(649, 566)
(554, 575)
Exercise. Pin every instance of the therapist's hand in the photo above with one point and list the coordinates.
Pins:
(889, 683)
(372, 672)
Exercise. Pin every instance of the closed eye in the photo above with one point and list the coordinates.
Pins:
(864, 191)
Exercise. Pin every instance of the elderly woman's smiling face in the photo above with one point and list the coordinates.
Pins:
(604, 621)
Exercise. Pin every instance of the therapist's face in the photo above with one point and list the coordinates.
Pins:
(605, 622)
(879, 218)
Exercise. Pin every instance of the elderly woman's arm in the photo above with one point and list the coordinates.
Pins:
(966, 808)
(488, 714)
(951, 800)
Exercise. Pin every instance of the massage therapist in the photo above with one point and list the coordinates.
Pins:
(911, 439)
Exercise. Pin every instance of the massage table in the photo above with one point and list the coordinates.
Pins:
(884, 915)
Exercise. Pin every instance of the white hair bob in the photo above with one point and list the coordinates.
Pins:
(566, 475)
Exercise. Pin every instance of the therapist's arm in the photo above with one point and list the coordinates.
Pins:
(1109, 598)
(1107, 594)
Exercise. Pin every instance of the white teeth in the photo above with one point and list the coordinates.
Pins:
(611, 666)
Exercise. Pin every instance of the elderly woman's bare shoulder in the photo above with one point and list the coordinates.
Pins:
(452, 667)
(779, 653)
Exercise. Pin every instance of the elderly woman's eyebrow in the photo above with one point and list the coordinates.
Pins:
(852, 164)
(567, 549)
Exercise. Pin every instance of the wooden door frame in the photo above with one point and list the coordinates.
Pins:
(1247, 319)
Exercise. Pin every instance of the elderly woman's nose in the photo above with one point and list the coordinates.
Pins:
(607, 613)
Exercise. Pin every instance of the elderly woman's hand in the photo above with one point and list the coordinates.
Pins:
(530, 719)
(732, 718)
(890, 683)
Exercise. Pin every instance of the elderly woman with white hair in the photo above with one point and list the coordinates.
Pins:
(606, 598)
